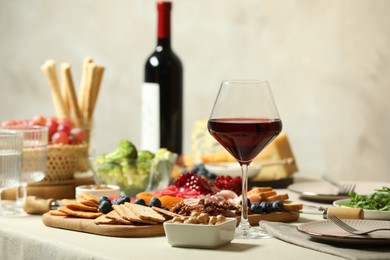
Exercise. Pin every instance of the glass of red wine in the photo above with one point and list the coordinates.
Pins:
(244, 120)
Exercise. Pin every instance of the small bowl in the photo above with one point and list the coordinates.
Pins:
(99, 190)
(232, 169)
(199, 235)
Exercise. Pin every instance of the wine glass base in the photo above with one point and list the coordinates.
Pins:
(251, 233)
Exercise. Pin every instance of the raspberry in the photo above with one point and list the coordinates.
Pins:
(229, 183)
(193, 181)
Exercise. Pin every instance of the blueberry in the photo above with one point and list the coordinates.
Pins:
(202, 172)
(105, 206)
(211, 176)
(248, 203)
(126, 198)
(118, 201)
(256, 208)
(266, 207)
(155, 202)
(197, 167)
(277, 206)
(102, 198)
(140, 202)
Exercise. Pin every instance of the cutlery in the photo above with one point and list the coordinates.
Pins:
(350, 229)
(344, 189)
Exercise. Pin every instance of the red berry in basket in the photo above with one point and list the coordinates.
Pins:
(229, 183)
(63, 128)
(60, 138)
(52, 126)
(193, 181)
(77, 135)
(66, 122)
(38, 120)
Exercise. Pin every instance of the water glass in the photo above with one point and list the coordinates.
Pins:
(35, 139)
(11, 150)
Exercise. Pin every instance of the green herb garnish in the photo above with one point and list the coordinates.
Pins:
(378, 200)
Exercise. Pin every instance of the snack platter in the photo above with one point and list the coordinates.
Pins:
(88, 225)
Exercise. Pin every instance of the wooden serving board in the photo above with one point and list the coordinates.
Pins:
(275, 217)
(88, 225)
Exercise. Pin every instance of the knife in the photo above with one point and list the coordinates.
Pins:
(346, 213)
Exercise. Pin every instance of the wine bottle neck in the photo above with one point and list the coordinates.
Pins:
(164, 23)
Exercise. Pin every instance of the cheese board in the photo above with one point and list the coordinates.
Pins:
(88, 225)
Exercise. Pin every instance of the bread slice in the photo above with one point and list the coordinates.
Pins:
(293, 206)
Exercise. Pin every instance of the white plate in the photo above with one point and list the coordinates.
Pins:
(326, 192)
(328, 231)
(231, 169)
(368, 214)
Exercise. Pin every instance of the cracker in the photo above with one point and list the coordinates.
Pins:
(126, 213)
(113, 214)
(145, 213)
(56, 212)
(78, 206)
(103, 219)
(88, 199)
(166, 213)
(80, 214)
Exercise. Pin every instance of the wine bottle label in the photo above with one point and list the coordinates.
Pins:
(150, 117)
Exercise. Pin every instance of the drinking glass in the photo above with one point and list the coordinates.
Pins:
(244, 120)
(11, 149)
(35, 139)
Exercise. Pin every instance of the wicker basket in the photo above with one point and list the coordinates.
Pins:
(63, 161)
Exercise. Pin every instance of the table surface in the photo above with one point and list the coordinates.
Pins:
(26, 237)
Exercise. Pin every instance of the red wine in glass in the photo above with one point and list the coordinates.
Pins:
(244, 120)
(244, 138)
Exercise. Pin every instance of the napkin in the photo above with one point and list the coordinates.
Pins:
(290, 234)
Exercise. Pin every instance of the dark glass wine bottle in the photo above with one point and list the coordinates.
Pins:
(162, 92)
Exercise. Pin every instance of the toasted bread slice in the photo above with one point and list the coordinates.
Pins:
(293, 206)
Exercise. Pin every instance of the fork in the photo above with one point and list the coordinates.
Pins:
(350, 229)
(344, 189)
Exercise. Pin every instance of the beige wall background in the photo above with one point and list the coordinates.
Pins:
(328, 62)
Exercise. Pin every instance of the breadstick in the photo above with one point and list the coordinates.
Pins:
(82, 90)
(71, 92)
(65, 95)
(91, 72)
(96, 88)
(48, 69)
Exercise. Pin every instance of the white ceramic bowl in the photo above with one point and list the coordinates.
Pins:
(200, 236)
(99, 190)
(231, 169)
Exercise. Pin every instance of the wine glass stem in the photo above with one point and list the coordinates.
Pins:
(244, 223)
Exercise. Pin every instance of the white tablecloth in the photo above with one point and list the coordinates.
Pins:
(26, 237)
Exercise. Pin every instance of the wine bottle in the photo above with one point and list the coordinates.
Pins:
(162, 91)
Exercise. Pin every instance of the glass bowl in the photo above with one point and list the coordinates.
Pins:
(134, 176)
